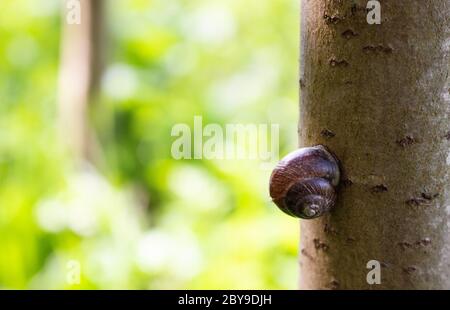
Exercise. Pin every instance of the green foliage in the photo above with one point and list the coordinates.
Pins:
(142, 220)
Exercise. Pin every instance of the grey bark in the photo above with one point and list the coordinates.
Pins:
(80, 68)
(378, 97)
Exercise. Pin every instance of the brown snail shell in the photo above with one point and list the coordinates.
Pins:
(304, 183)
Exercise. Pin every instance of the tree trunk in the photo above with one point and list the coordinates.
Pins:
(378, 97)
(81, 62)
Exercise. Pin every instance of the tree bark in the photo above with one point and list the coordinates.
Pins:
(378, 97)
(80, 68)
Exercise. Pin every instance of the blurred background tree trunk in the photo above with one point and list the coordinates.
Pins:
(378, 96)
(80, 70)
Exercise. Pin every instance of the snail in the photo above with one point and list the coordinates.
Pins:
(304, 183)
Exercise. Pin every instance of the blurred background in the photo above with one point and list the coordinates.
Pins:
(90, 196)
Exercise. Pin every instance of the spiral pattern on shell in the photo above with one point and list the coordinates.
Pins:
(303, 184)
